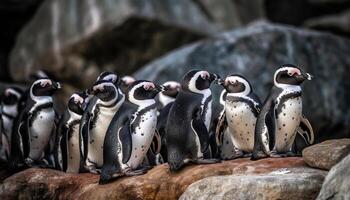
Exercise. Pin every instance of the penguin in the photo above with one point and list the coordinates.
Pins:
(124, 83)
(69, 144)
(90, 102)
(34, 126)
(9, 110)
(165, 101)
(109, 101)
(281, 114)
(236, 129)
(131, 132)
(305, 136)
(187, 129)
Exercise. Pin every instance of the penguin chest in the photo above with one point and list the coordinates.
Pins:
(97, 135)
(288, 119)
(142, 136)
(7, 125)
(207, 112)
(241, 122)
(73, 157)
(40, 132)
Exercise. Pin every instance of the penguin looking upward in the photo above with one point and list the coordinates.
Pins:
(109, 101)
(187, 135)
(35, 124)
(131, 132)
(281, 114)
(237, 123)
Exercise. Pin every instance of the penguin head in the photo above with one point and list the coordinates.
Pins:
(44, 87)
(142, 91)
(12, 96)
(108, 76)
(198, 81)
(76, 102)
(172, 88)
(236, 84)
(124, 83)
(290, 75)
(105, 90)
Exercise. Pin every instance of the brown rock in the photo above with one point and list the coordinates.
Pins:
(158, 183)
(326, 154)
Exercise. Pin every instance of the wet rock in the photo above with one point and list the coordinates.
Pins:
(326, 154)
(337, 182)
(158, 183)
(256, 51)
(122, 34)
(292, 183)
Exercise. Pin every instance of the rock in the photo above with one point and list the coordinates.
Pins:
(124, 34)
(158, 183)
(326, 154)
(299, 183)
(256, 51)
(337, 182)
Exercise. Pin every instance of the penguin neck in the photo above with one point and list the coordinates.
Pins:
(73, 117)
(112, 101)
(141, 104)
(165, 100)
(288, 87)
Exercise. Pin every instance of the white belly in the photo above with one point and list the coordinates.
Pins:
(73, 157)
(40, 133)
(142, 138)
(286, 124)
(7, 124)
(241, 122)
(97, 136)
(207, 119)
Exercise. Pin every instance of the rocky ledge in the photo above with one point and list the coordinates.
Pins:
(159, 183)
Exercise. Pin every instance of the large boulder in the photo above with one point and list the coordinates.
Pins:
(326, 154)
(337, 182)
(68, 37)
(158, 183)
(292, 184)
(256, 51)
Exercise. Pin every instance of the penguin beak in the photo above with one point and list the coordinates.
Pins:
(307, 76)
(57, 85)
(220, 81)
(214, 77)
(160, 88)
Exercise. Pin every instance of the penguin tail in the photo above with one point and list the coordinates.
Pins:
(104, 178)
(175, 161)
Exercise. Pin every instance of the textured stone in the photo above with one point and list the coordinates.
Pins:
(158, 183)
(292, 184)
(256, 51)
(326, 154)
(337, 182)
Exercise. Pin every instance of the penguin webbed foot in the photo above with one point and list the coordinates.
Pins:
(40, 164)
(137, 172)
(92, 169)
(258, 155)
(246, 155)
(289, 154)
(207, 161)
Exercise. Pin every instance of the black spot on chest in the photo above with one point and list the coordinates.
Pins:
(37, 110)
(282, 103)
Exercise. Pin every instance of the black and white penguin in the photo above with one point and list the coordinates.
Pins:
(124, 83)
(235, 131)
(9, 111)
(69, 144)
(35, 124)
(109, 101)
(187, 131)
(165, 101)
(281, 114)
(131, 132)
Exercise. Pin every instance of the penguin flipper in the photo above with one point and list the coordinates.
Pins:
(304, 135)
(126, 140)
(265, 131)
(201, 131)
(84, 133)
(220, 128)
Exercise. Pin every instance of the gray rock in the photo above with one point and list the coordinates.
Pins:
(124, 34)
(256, 51)
(295, 183)
(337, 182)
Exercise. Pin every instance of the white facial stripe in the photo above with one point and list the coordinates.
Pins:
(111, 77)
(77, 98)
(45, 82)
(141, 103)
(12, 91)
(192, 84)
(205, 74)
(148, 85)
(233, 79)
(128, 80)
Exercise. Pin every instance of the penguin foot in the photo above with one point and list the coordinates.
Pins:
(246, 155)
(289, 154)
(258, 155)
(207, 161)
(29, 162)
(136, 172)
(92, 169)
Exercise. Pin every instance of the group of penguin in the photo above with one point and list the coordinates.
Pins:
(123, 127)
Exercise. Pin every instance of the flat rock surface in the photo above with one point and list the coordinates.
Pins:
(158, 183)
(326, 154)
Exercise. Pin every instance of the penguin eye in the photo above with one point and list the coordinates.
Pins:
(290, 74)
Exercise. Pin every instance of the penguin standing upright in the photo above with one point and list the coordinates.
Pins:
(109, 101)
(188, 122)
(281, 114)
(35, 124)
(9, 111)
(237, 123)
(69, 144)
(131, 132)
(166, 99)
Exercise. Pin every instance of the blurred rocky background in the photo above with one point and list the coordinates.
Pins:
(74, 40)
